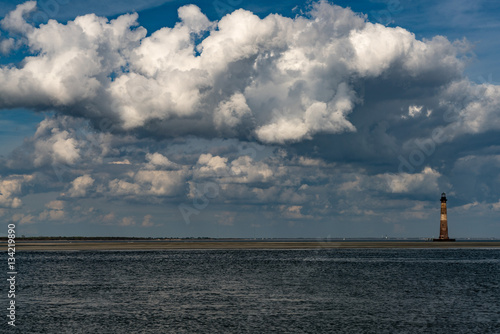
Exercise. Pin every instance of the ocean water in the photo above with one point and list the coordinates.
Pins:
(259, 291)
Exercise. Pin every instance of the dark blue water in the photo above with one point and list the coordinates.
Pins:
(259, 291)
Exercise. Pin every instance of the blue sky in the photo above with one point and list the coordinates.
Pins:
(290, 119)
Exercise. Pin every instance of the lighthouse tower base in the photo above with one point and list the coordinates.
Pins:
(443, 240)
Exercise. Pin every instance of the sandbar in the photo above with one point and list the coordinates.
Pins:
(165, 245)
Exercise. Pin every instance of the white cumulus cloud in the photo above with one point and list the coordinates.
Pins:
(11, 189)
(80, 185)
(425, 182)
(275, 79)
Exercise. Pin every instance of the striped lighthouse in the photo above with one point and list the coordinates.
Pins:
(443, 223)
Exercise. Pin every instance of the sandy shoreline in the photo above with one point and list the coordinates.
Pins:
(144, 245)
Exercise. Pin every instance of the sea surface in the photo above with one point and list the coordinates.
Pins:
(258, 291)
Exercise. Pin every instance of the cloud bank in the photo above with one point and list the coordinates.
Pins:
(276, 79)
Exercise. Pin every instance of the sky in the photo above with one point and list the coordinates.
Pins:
(232, 118)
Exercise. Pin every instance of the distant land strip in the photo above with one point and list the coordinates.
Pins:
(165, 245)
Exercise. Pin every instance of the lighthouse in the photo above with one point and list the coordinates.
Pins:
(443, 223)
